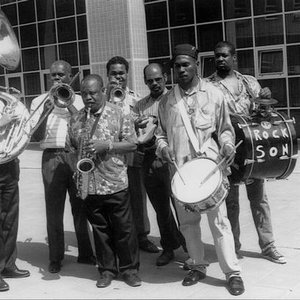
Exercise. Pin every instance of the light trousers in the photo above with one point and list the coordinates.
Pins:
(222, 235)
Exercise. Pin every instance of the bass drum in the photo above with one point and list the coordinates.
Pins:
(269, 148)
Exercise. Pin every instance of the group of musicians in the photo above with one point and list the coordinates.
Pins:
(134, 147)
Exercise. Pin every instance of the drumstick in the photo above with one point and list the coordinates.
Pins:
(214, 170)
(177, 168)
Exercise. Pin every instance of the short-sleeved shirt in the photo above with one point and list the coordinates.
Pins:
(57, 122)
(110, 173)
(240, 104)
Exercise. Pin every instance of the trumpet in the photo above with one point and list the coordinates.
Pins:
(115, 93)
(85, 164)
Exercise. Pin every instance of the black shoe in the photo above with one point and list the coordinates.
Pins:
(132, 279)
(186, 267)
(193, 277)
(14, 273)
(148, 246)
(236, 285)
(54, 266)
(88, 260)
(104, 280)
(3, 285)
(165, 257)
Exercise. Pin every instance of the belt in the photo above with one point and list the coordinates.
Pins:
(57, 150)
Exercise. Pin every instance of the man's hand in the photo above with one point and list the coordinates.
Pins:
(265, 93)
(167, 155)
(141, 122)
(96, 147)
(48, 105)
(228, 151)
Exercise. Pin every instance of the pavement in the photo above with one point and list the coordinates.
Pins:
(263, 279)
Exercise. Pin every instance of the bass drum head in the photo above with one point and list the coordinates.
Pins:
(193, 172)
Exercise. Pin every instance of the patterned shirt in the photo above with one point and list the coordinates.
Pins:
(110, 173)
(208, 115)
(57, 122)
(249, 89)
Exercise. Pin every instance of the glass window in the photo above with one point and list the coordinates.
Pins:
(182, 36)
(239, 33)
(291, 5)
(207, 65)
(69, 53)
(15, 82)
(165, 62)
(278, 88)
(80, 6)
(30, 59)
(45, 10)
(292, 23)
(181, 12)
(76, 82)
(208, 36)
(293, 60)
(86, 72)
(26, 12)
(82, 27)
(47, 33)
(207, 11)
(7, 1)
(237, 8)
(245, 62)
(84, 53)
(66, 30)
(48, 55)
(268, 31)
(47, 82)
(2, 81)
(156, 15)
(28, 36)
(64, 8)
(11, 13)
(294, 91)
(262, 7)
(270, 61)
(1, 70)
(156, 48)
(32, 84)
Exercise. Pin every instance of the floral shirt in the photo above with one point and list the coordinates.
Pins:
(249, 89)
(208, 117)
(110, 173)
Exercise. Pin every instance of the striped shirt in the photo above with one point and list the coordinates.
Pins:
(57, 123)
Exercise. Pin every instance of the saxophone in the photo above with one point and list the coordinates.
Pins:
(85, 164)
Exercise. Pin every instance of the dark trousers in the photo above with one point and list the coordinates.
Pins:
(157, 183)
(138, 201)
(57, 171)
(260, 209)
(9, 213)
(114, 232)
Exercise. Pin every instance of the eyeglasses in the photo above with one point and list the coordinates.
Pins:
(158, 80)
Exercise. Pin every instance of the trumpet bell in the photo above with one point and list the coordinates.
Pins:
(62, 95)
(117, 95)
(9, 47)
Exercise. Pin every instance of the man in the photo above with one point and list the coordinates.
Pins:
(117, 73)
(155, 171)
(110, 136)
(9, 208)
(204, 108)
(240, 91)
(57, 171)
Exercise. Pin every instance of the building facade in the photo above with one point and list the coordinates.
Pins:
(88, 32)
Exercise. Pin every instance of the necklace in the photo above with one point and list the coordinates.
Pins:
(190, 104)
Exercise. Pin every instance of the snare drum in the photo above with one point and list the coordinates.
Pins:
(194, 196)
(269, 148)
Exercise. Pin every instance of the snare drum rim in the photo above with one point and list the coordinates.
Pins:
(217, 186)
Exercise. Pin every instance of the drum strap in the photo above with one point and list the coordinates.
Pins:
(187, 122)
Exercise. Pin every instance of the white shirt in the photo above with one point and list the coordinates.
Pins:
(57, 123)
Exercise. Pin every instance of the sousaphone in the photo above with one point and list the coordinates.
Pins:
(15, 136)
